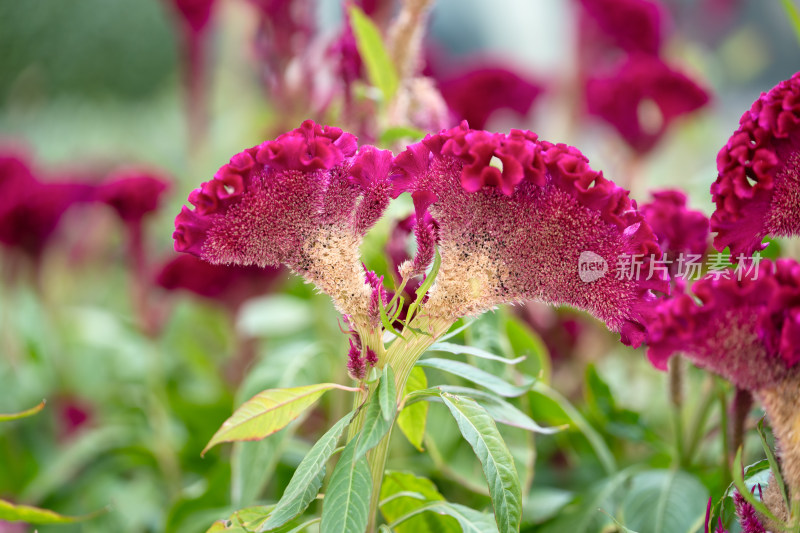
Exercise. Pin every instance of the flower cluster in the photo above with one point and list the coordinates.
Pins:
(305, 200)
(514, 214)
(744, 330)
(757, 188)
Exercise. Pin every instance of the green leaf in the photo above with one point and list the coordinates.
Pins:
(397, 133)
(484, 379)
(225, 526)
(404, 492)
(458, 349)
(346, 504)
(480, 432)
(267, 412)
(773, 463)
(794, 16)
(387, 394)
(738, 482)
(499, 409)
(23, 414)
(596, 441)
(380, 69)
(386, 321)
(307, 479)
(470, 520)
(376, 426)
(33, 515)
(663, 501)
(251, 518)
(412, 418)
(525, 342)
(426, 284)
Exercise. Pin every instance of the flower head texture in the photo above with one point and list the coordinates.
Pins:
(641, 98)
(748, 518)
(758, 186)
(305, 200)
(747, 331)
(132, 194)
(518, 232)
(228, 285)
(475, 95)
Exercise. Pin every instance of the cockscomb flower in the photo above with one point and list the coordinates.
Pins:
(746, 328)
(30, 210)
(304, 200)
(229, 285)
(132, 194)
(746, 513)
(757, 189)
(476, 95)
(642, 97)
(521, 232)
(682, 234)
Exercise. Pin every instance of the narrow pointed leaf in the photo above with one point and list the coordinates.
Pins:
(380, 69)
(267, 412)
(476, 375)
(307, 479)
(479, 430)
(773, 463)
(470, 520)
(738, 481)
(426, 284)
(412, 418)
(23, 414)
(458, 349)
(375, 425)
(346, 505)
(387, 394)
(11, 512)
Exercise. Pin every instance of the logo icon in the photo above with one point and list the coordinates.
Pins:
(591, 267)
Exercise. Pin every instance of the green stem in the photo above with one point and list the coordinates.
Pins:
(726, 453)
(401, 355)
(699, 420)
(676, 402)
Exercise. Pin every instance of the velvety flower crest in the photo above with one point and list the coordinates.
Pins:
(132, 193)
(632, 25)
(305, 200)
(757, 191)
(515, 218)
(747, 331)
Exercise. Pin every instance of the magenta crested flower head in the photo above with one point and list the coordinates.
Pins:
(746, 330)
(682, 234)
(642, 98)
(305, 200)
(517, 217)
(474, 96)
(132, 194)
(759, 173)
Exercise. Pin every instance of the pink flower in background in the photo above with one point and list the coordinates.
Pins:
(304, 200)
(747, 331)
(132, 194)
(756, 191)
(631, 25)
(30, 210)
(681, 232)
(229, 285)
(475, 95)
(642, 98)
(195, 14)
(514, 217)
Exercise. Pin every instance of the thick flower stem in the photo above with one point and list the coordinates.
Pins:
(742, 403)
(676, 370)
(780, 403)
(401, 356)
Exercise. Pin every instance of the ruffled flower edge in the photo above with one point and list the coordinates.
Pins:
(309, 148)
(524, 158)
(774, 293)
(747, 165)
